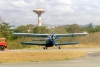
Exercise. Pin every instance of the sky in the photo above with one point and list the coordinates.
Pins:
(57, 12)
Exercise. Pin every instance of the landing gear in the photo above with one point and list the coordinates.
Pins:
(45, 48)
(59, 47)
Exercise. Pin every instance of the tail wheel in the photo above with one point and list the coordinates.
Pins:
(2, 48)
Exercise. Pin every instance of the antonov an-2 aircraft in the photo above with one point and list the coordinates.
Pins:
(50, 39)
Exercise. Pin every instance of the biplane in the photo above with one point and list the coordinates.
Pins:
(50, 40)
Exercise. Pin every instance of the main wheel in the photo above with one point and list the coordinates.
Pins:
(59, 47)
(45, 48)
(2, 48)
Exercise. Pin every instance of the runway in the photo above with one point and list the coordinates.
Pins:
(92, 59)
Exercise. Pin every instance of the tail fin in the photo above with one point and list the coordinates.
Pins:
(52, 32)
(55, 37)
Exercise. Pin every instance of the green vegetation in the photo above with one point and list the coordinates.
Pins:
(5, 30)
(14, 41)
(40, 30)
(75, 28)
(90, 28)
(24, 29)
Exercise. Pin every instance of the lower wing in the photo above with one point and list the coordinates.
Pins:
(67, 43)
(33, 43)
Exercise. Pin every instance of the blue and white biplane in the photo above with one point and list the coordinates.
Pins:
(50, 39)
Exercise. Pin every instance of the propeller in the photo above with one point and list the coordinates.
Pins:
(54, 37)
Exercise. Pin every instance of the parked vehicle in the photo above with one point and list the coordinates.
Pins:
(3, 44)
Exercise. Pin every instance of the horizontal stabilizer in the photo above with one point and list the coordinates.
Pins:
(67, 43)
(33, 43)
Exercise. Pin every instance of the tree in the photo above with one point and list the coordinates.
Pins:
(75, 29)
(21, 29)
(30, 27)
(5, 30)
(90, 28)
(97, 28)
(25, 29)
(40, 29)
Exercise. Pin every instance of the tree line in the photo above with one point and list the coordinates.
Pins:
(6, 31)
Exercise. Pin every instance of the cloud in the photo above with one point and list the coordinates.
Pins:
(63, 8)
(19, 3)
(65, 2)
(20, 12)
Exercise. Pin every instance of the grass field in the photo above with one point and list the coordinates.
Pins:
(13, 57)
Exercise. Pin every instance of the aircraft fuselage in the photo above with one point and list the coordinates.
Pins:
(50, 42)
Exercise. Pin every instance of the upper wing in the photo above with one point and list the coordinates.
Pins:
(46, 35)
(30, 34)
(71, 34)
